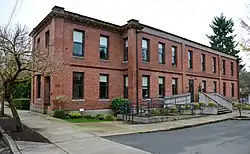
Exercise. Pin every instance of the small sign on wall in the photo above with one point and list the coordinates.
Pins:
(81, 109)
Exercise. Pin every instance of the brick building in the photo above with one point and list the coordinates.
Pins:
(135, 61)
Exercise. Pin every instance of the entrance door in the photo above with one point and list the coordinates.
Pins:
(191, 89)
(47, 91)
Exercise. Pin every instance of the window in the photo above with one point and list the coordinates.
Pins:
(224, 88)
(38, 84)
(125, 49)
(174, 56)
(161, 53)
(78, 43)
(232, 68)
(214, 64)
(215, 86)
(145, 49)
(223, 66)
(161, 86)
(104, 86)
(174, 86)
(203, 62)
(126, 86)
(47, 39)
(78, 85)
(190, 59)
(145, 86)
(38, 42)
(232, 91)
(203, 86)
(104, 43)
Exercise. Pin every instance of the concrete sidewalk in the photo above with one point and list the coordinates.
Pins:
(67, 138)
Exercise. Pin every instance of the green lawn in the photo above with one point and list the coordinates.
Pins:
(80, 120)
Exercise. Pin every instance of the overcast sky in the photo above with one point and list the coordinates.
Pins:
(187, 18)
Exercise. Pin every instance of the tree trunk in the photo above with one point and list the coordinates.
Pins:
(19, 126)
(8, 98)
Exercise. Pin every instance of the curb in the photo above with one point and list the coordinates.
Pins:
(171, 129)
(10, 142)
(240, 118)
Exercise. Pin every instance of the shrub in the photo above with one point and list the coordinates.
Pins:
(196, 105)
(211, 104)
(74, 114)
(173, 110)
(246, 107)
(22, 103)
(109, 118)
(88, 117)
(100, 117)
(61, 99)
(188, 107)
(22, 90)
(118, 103)
(59, 114)
(201, 104)
(156, 112)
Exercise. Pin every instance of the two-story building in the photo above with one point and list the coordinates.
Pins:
(135, 61)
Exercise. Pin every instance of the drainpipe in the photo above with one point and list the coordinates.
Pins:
(137, 73)
(238, 80)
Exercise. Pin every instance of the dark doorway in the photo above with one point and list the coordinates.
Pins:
(47, 91)
(191, 89)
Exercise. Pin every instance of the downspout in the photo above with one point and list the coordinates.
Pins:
(238, 80)
(137, 73)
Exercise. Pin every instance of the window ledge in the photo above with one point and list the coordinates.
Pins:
(125, 62)
(146, 99)
(162, 64)
(104, 100)
(38, 99)
(104, 60)
(146, 62)
(78, 100)
(78, 57)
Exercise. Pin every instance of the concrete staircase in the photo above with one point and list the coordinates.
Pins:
(224, 105)
(222, 110)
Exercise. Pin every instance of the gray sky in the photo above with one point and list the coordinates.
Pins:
(187, 18)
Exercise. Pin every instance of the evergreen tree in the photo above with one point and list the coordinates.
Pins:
(223, 38)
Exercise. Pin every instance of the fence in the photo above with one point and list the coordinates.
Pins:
(176, 104)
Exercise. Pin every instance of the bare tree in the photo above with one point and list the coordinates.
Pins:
(18, 58)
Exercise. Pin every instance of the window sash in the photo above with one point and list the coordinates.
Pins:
(125, 49)
(214, 64)
(203, 86)
(38, 78)
(78, 85)
(145, 54)
(224, 88)
(215, 86)
(144, 81)
(78, 37)
(103, 90)
(174, 55)
(232, 87)
(174, 86)
(104, 41)
(144, 44)
(103, 78)
(161, 54)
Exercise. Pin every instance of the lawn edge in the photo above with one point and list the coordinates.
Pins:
(169, 129)
(10, 142)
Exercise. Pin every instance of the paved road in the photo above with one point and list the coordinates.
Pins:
(229, 137)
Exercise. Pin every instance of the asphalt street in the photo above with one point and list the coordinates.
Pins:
(229, 137)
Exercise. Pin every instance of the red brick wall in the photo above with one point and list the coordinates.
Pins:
(61, 31)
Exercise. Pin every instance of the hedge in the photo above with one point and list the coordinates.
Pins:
(22, 103)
